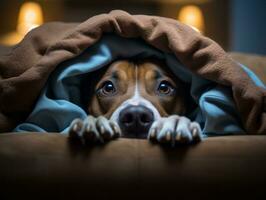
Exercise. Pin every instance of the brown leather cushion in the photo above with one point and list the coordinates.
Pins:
(47, 165)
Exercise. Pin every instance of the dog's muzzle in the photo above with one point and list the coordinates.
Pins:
(135, 121)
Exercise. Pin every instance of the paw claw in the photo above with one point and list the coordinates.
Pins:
(194, 132)
(168, 136)
(175, 129)
(116, 129)
(178, 136)
(152, 134)
(102, 130)
(88, 128)
(93, 130)
(77, 127)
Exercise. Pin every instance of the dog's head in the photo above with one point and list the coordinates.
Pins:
(135, 93)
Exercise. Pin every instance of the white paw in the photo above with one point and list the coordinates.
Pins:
(94, 130)
(175, 129)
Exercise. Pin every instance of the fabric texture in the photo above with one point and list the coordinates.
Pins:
(257, 63)
(60, 102)
(27, 67)
(46, 166)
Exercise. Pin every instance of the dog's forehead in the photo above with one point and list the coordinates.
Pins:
(152, 70)
(124, 68)
(120, 69)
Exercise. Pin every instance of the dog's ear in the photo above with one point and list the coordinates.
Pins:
(186, 99)
(85, 90)
(88, 86)
(190, 103)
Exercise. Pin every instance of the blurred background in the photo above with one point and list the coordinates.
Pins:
(237, 25)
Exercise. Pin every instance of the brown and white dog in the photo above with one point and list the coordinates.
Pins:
(140, 99)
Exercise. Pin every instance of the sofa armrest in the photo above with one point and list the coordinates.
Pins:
(257, 63)
(48, 165)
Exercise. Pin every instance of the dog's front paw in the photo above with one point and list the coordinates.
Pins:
(94, 130)
(175, 129)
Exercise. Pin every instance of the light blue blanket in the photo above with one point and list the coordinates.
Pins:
(60, 101)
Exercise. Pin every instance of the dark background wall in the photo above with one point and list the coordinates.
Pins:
(237, 25)
(248, 26)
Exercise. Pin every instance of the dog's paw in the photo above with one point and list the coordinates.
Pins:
(94, 130)
(175, 129)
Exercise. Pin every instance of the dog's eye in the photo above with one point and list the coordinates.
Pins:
(108, 88)
(165, 88)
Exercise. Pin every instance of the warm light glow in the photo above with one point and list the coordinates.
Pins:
(30, 16)
(192, 16)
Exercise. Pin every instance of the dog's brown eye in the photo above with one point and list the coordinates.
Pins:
(165, 88)
(108, 88)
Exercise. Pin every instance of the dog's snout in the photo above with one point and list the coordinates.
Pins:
(135, 121)
(136, 114)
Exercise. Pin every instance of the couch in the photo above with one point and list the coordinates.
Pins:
(48, 165)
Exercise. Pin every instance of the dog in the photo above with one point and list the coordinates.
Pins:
(137, 99)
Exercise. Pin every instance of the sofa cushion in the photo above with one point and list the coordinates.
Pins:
(49, 166)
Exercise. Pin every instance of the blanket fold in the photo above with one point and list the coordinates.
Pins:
(25, 69)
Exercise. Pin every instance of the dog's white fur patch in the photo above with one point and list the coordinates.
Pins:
(136, 100)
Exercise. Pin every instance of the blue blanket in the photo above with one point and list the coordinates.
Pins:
(60, 101)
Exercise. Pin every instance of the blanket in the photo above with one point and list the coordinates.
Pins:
(62, 99)
(24, 70)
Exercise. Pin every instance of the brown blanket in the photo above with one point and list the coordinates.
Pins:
(25, 69)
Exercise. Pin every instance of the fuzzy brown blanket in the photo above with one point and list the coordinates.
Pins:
(26, 67)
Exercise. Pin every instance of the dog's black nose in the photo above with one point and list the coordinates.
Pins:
(135, 121)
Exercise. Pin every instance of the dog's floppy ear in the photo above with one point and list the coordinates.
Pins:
(184, 90)
(88, 84)
(190, 103)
